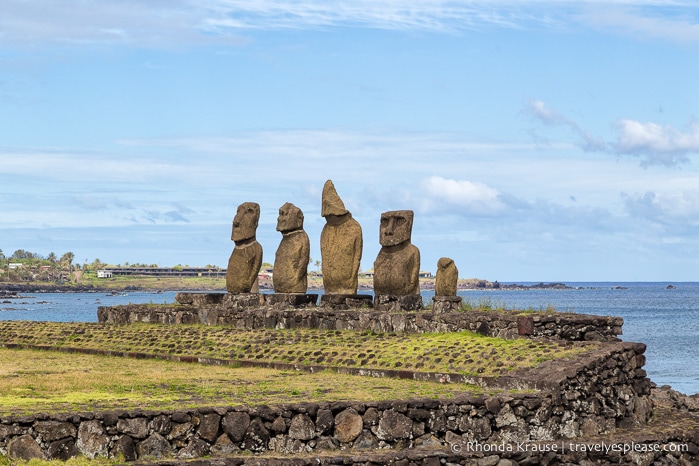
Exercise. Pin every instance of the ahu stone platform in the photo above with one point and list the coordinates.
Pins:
(253, 311)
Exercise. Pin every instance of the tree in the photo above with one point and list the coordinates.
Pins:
(67, 260)
(96, 265)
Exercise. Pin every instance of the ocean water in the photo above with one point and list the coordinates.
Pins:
(666, 320)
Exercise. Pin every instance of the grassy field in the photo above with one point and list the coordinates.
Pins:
(463, 352)
(38, 381)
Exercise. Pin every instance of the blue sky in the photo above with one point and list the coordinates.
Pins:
(535, 140)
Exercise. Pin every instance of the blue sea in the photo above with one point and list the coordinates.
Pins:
(666, 320)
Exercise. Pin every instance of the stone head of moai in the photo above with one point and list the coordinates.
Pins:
(396, 227)
(397, 266)
(290, 218)
(447, 277)
(332, 208)
(245, 221)
(246, 258)
(293, 253)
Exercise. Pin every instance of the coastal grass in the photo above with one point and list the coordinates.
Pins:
(34, 381)
(462, 353)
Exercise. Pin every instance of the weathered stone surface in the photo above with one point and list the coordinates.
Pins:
(241, 301)
(256, 436)
(134, 427)
(126, 447)
(196, 448)
(92, 440)
(444, 304)
(525, 325)
(365, 441)
(302, 427)
(348, 425)
(161, 424)
(246, 258)
(290, 300)
(209, 427)
(154, 446)
(11, 431)
(53, 430)
(447, 277)
(293, 253)
(341, 245)
(397, 303)
(346, 301)
(63, 449)
(199, 299)
(393, 426)
(24, 448)
(180, 430)
(324, 421)
(243, 311)
(278, 425)
(397, 266)
(235, 424)
(224, 446)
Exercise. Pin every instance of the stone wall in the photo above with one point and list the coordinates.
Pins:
(591, 395)
(503, 324)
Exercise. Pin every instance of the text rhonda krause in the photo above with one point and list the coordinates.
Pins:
(563, 446)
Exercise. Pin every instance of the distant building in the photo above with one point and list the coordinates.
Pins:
(104, 274)
(14, 265)
(178, 271)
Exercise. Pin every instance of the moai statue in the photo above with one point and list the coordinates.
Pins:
(340, 245)
(246, 258)
(397, 267)
(445, 299)
(447, 277)
(293, 254)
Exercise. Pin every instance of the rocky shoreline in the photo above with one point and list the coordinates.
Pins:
(7, 290)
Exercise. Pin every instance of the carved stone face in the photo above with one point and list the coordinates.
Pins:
(290, 218)
(245, 221)
(396, 227)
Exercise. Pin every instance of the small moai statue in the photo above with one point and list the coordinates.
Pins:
(445, 299)
(246, 258)
(397, 266)
(340, 245)
(293, 253)
(447, 277)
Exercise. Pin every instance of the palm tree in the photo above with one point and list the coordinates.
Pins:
(67, 258)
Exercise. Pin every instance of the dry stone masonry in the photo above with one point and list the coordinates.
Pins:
(605, 390)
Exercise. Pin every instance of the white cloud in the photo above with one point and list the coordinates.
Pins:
(650, 22)
(656, 144)
(161, 23)
(659, 144)
(548, 116)
(476, 197)
(679, 210)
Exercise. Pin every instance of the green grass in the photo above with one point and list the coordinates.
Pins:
(462, 352)
(40, 381)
